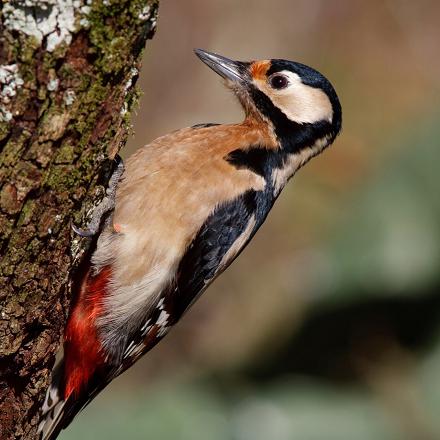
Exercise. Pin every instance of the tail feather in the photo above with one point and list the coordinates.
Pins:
(53, 407)
(50, 427)
(57, 411)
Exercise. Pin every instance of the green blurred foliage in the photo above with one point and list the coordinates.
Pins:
(390, 240)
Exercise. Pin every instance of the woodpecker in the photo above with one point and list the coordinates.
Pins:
(185, 207)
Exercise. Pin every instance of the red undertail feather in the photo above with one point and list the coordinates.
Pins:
(82, 349)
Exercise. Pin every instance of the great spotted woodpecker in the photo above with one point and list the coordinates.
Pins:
(185, 207)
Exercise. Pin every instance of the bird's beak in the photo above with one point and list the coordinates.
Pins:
(228, 69)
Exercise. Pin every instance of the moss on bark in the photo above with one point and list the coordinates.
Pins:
(65, 100)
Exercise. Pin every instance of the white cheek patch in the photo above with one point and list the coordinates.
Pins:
(299, 102)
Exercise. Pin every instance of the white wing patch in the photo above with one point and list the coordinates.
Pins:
(146, 327)
(162, 323)
(162, 320)
(161, 326)
(133, 350)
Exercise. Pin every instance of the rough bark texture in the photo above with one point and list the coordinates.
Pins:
(67, 70)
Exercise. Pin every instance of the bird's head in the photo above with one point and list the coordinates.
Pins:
(297, 102)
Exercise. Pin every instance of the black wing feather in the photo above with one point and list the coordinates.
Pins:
(202, 259)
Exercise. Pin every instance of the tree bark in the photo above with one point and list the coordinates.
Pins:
(67, 75)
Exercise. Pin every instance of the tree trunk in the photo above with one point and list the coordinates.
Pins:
(67, 74)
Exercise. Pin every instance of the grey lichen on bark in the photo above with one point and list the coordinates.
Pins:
(67, 76)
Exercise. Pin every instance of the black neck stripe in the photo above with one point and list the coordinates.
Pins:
(257, 159)
(293, 137)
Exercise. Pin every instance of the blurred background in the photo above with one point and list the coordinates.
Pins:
(327, 326)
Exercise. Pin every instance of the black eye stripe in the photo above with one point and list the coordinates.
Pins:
(278, 82)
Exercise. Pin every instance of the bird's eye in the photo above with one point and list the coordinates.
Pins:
(279, 82)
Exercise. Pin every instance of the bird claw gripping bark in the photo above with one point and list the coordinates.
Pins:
(107, 204)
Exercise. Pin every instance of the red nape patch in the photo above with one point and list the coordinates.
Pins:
(82, 349)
